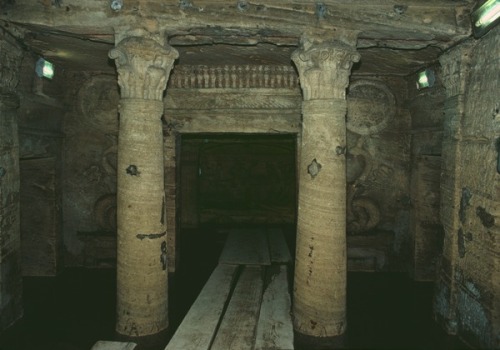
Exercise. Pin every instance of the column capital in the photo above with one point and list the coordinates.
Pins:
(143, 66)
(324, 67)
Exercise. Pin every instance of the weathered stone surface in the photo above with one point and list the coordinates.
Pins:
(40, 210)
(370, 107)
(11, 308)
(470, 201)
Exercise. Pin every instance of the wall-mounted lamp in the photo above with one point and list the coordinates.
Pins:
(116, 5)
(485, 17)
(44, 68)
(425, 79)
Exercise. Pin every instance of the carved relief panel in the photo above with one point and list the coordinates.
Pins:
(376, 157)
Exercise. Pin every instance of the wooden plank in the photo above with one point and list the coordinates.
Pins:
(278, 248)
(237, 329)
(113, 345)
(246, 247)
(200, 324)
(275, 329)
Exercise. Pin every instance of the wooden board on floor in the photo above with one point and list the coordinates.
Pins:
(246, 247)
(113, 345)
(197, 330)
(237, 329)
(278, 248)
(275, 329)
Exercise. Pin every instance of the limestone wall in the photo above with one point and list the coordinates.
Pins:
(10, 239)
(89, 172)
(378, 154)
(41, 141)
(468, 299)
(426, 231)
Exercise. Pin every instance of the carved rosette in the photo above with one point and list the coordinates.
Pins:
(324, 68)
(143, 67)
(370, 107)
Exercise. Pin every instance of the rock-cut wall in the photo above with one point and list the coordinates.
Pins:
(468, 288)
(10, 238)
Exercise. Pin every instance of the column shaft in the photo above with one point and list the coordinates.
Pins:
(320, 266)
(142, 297)
(320, 275)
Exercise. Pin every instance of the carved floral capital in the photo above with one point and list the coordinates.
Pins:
(143, 67)
(324, 68)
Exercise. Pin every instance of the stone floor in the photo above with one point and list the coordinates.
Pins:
(76, 309)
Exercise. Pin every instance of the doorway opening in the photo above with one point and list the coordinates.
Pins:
(229, 181)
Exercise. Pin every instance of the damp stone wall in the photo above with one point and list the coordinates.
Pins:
(426, 106)
(40, 144)
(468, 289)
(11, 308)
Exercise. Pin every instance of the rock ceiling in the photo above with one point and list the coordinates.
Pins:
(393, 37)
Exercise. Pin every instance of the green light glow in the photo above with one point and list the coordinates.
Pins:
(422, 79)
(48, 70)
(488, 13)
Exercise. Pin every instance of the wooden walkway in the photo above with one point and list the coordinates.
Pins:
(245, 304)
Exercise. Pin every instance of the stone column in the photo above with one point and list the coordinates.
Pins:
(143, 66)
(320, 266)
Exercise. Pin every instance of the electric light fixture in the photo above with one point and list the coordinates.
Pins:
(485, 17)
(44, 68)
(425, 79)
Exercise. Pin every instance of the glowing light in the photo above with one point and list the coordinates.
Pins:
(485, 17)
(426, 79)
(44, 68)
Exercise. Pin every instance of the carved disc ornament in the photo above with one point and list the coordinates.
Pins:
(370, 107)
(98, 102)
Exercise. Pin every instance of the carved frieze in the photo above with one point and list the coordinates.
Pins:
(370, 107)
(324, 68)
(143, 67)
(234, 76)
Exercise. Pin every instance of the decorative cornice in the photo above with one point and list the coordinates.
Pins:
(143, 67)
(324, 68)
(234, 76)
